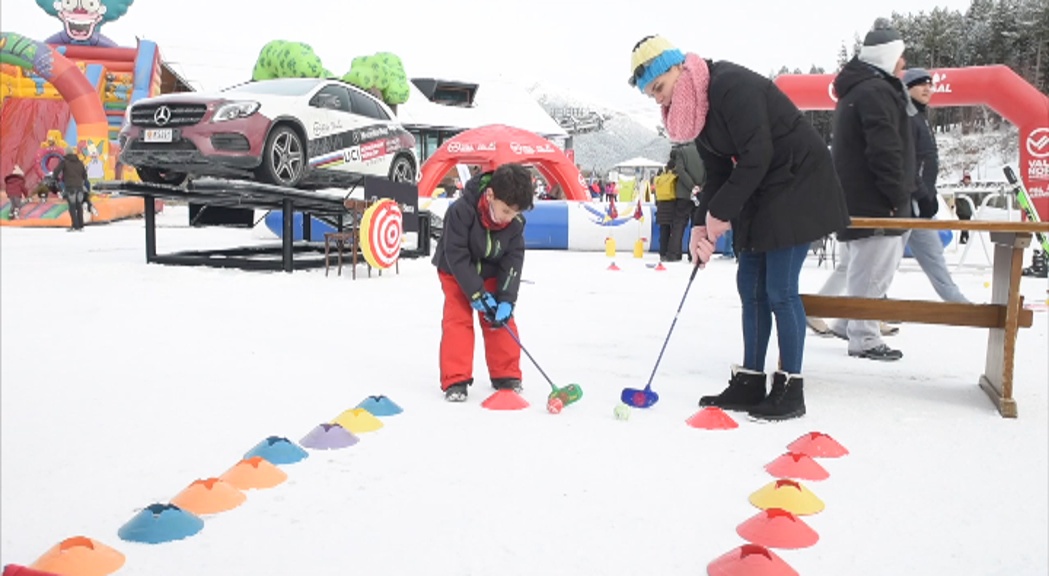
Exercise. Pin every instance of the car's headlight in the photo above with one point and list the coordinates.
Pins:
(235, 110)
(127, 118)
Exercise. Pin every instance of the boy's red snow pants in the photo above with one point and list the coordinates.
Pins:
(501, 353)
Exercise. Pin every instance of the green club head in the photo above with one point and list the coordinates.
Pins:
(568, 394)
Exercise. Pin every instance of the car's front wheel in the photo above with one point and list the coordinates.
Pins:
(283, 158)
(402, 170)
(158, 176)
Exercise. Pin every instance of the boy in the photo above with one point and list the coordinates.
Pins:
(479, 259)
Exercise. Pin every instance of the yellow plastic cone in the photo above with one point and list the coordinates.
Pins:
(358, 421)
(787, 495)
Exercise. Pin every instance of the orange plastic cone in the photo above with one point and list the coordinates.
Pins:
(777, 528)
(798, 466)
(712, 418)
(750, 560)
(80, 556)
(255, 473)
(818, 445)
(209, 496)
(505, 400)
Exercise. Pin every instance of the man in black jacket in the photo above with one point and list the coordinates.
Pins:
(479, 259)
(874, 157)
(925, 245)
(73, 175)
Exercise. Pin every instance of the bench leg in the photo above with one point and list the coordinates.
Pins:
(327, 251)
(997, 379)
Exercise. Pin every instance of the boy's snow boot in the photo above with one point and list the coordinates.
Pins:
(507, 384)
(457, 392)
(746, 389)
(786, 399)
(1039, 267)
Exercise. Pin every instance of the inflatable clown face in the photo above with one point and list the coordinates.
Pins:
(80, 17)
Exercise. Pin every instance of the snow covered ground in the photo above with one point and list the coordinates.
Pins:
(122, 383)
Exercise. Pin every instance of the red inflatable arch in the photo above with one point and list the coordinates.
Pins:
(995, 86)
(490, 146)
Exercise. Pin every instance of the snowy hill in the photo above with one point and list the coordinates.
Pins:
(621, 136)
(981, 153)
(624, 135)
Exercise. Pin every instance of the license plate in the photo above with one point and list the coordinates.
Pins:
(159, 135)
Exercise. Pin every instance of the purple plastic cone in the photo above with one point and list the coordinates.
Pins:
(329, 437)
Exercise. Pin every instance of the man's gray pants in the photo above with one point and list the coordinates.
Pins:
(871, 267)
(927, 249)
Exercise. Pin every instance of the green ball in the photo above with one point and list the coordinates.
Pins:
(622, 412)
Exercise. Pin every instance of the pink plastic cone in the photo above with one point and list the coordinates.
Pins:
(818, 445)
(797, 466)
(505, 400)
(777, 528)
(750, 560)
(712, 418)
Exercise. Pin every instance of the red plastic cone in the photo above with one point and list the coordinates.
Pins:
(505, 400)
(613, 267)
(712, 418)
(777, 528)
(818, 445)
(16, 570)
(798, 466)
(750, 560)
(660, 267)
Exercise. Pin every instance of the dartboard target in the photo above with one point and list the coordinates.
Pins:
(382, 226)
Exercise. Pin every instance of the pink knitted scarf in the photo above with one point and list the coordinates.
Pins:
(687, 113)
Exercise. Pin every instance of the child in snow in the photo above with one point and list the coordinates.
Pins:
(479, 259)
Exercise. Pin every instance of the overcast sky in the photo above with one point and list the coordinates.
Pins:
(578, 47)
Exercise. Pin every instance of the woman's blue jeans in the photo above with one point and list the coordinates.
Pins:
(768, 286)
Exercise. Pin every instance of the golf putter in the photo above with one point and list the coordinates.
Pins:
(646, 397)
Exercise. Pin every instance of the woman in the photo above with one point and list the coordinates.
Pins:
(769, 177)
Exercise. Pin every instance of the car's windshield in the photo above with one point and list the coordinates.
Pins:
(281, 87)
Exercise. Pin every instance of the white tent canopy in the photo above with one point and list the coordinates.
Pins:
(639, 162)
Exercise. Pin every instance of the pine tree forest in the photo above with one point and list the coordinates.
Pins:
(1010, 32)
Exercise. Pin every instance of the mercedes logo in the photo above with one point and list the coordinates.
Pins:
(162, 116)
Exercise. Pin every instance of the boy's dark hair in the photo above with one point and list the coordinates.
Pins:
(512, 183)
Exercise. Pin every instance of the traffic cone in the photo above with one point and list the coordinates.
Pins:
(750, 560)
(210, 496)
(80, 556)
(255, 473)
(712, 418)
(16, 570)
(797, 466)
(505, 400)
(777, 528)
(817, 445)
(358, 421)
(787, 495)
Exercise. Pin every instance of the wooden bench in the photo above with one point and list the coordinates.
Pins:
(1004, 316)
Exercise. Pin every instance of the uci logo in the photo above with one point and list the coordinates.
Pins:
(1038, 143)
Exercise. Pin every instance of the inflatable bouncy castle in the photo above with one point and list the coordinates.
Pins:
(71, 91)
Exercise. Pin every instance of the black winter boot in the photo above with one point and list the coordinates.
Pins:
(507, 384)
(786, 399)
(457, 392)
(1039, 267)
(746, 389)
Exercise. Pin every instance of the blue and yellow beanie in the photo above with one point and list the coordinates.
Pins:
(651, 58)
